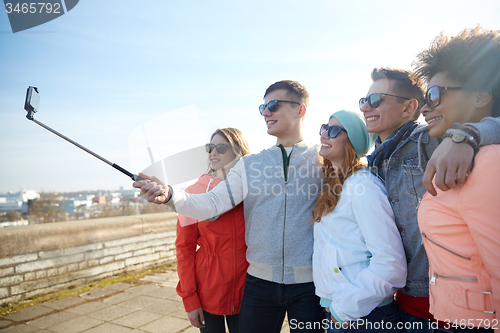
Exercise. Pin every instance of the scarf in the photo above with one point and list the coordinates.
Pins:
(385, 149)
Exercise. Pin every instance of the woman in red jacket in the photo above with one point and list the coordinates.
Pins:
(211, 255)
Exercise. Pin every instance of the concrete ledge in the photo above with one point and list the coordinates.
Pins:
(41, 258)
(59, 235)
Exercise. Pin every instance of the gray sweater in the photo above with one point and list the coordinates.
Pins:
(278, 213)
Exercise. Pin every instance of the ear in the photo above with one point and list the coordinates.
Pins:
(302, 111)
(482, 99)
(411, 107)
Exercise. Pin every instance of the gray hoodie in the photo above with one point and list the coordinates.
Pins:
(278, 213)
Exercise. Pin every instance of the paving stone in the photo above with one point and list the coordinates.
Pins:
(137, 319)
(76, 325)
(109, 328)
(89, 307)
(20, 329)
(64, 302)
(4, 323)
(119, 286)
(111, 313)
(192, 329)
(175, 297)
(97, 293)
(163, 292)
(140, 302)
(29, 313)
(179, 313)
(166, 325)
(52, 320)
(164, 307)
(118, 298)
(142, 289)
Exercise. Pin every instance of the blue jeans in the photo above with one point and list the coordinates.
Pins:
(215, 323)
(265, 304)
(382, 319)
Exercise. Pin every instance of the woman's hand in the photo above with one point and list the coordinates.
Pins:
(154, 191)
(196, 317)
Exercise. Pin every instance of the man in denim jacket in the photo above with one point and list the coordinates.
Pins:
(401, 154)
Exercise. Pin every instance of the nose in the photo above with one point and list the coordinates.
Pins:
(266, 112)
(324, 135)
(366, 107)
(425, 109)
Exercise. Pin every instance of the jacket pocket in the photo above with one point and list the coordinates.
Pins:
(445, 248)
(202, 268)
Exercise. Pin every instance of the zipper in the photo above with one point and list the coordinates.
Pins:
(285, 173)
(441, 246)
(234, 265)
(436, 275)
(283, 248)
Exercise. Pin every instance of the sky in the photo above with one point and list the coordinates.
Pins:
(120, 76)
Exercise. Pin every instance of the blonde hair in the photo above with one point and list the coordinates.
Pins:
(334, 180)
(236, 139)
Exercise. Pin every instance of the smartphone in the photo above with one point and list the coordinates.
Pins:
(32, 101)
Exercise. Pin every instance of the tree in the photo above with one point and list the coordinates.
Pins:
(48, 208)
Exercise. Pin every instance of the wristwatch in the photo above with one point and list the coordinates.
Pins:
(459, 136)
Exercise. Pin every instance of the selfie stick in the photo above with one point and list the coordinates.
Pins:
(30, 109)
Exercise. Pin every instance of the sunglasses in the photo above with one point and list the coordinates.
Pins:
(333, 130)
(433, 95)
(272, 106)
(221, 147)
(375, 99)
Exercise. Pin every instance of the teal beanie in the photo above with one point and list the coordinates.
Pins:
(355, 126)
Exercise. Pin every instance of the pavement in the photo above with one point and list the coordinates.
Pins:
(152, 306)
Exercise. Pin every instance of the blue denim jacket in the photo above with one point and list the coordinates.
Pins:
(404, 171)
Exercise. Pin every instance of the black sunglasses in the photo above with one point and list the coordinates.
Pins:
(375, 99)
(333, 130)
(433, 95)
(272, 106)
(221, 147)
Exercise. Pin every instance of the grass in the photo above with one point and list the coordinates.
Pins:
(72, 291)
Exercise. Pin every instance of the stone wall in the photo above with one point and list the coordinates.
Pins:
(36, 259)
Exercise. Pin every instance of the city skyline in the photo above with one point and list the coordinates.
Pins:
(108, 71)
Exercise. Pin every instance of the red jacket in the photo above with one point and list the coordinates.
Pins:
(212, 277)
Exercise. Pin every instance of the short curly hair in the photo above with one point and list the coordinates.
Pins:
(471, 58)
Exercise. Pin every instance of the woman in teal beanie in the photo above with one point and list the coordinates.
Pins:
(358, 261)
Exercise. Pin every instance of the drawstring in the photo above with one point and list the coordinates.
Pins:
(419, 145)
(208, 186)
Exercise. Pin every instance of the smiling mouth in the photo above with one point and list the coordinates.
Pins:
(326, 145)
(433, 120)
(372, 118)
(270, 122)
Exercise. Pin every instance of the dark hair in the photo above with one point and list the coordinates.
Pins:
(295, 90)
(471, 58)
(408, 84)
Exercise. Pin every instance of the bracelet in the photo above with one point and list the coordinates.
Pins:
(463, 136)
(469, 130)
(170, 195)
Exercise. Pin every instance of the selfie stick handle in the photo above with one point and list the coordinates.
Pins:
(116, 166)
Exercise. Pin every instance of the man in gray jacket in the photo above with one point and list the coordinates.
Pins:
(278, 187)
